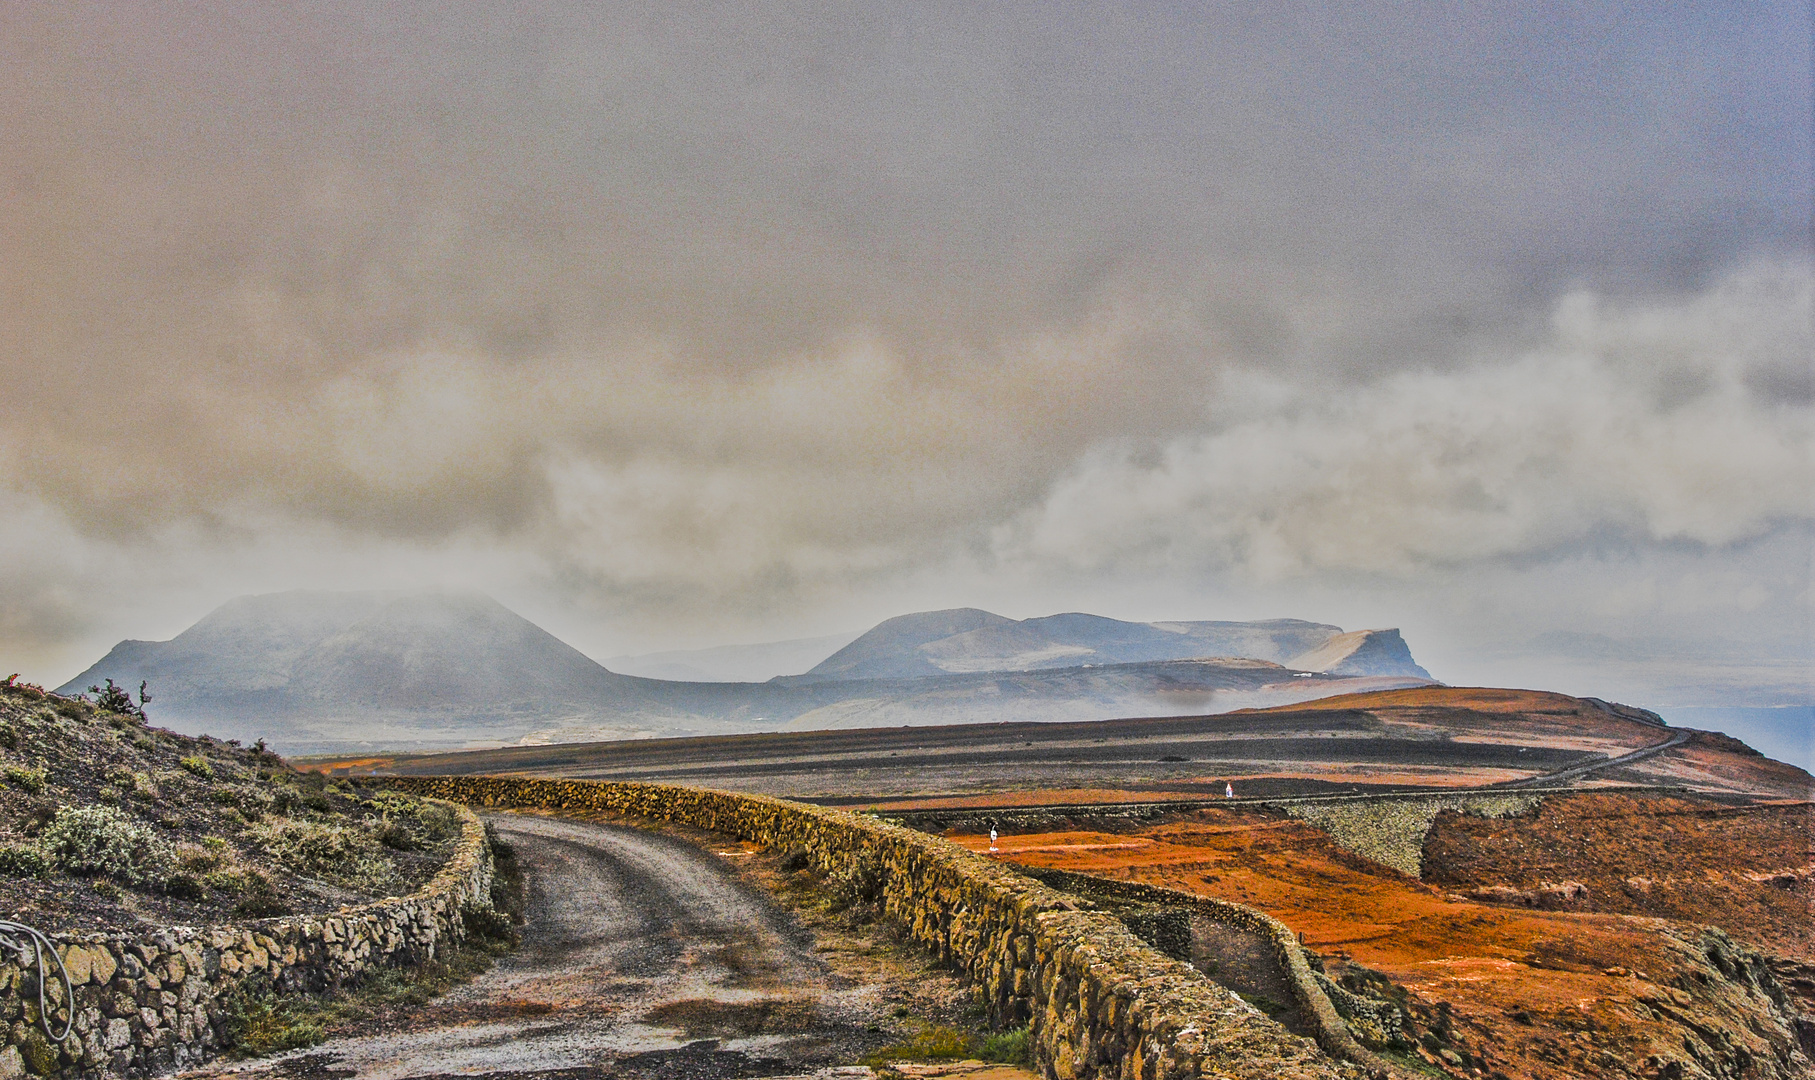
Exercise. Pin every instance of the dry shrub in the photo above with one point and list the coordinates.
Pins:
(333, 853)
(101, 841)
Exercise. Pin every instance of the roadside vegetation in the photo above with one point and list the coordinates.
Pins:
(107, 822)
(936, 1018)
(262, 1021)
(937, 1042)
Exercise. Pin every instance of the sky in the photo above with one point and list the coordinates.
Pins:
(676, 328)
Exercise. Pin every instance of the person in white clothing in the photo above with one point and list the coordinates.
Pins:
(1228, 790)
(992, 838)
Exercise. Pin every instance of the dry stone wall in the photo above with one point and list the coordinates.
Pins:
(1309, 992)
(151, 1003)
(1101, 1004)
(1391, 831)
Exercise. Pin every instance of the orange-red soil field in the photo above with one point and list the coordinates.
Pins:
(1576, 940)
(1526, 992)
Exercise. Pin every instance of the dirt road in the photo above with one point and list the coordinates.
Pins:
(643, 956)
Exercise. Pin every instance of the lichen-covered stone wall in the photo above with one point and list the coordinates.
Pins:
(151, 1003)
(1100, 1002)
(1308, 992)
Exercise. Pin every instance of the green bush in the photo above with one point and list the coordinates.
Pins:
(198, 766)
(258, 899)
(333, 853)
(101, 841)
(933, 1043)
(227, 881)
(116, 700)
(194, 860)
(257, 1021)
(255, 800)
(411, 824)
(1008, 1047)
(439, 821)
(28, 691)
(393, 802)
(24, 860)
(398, 837)
(185, 886)
(24, 778)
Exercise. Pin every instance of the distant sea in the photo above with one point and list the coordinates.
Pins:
(1786, 733)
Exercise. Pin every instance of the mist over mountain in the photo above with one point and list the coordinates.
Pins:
(732, 663)
(325, 666)
(1362, 652)
(331, 672)
(959, 640)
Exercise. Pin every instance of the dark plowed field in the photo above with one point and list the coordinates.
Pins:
(1188, 755)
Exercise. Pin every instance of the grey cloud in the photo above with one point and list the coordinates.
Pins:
(1632, 421)
(753, 308)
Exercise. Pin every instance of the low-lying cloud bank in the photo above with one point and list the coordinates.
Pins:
(1646, 460)
(1633, 424)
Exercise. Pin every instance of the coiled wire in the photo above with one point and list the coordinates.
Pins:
(21, 940)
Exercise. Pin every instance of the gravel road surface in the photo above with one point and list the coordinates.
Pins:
(643, 956)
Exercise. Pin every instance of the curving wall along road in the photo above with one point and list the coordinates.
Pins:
(1101, 1003)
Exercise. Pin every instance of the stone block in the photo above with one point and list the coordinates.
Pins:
(118, 1035)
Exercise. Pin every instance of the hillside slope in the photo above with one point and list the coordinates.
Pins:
(107, 821)
(1429, 737)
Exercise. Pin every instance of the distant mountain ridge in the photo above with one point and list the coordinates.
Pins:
(313, 668)
(336, 672)
(966, 640)
(375, 650)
